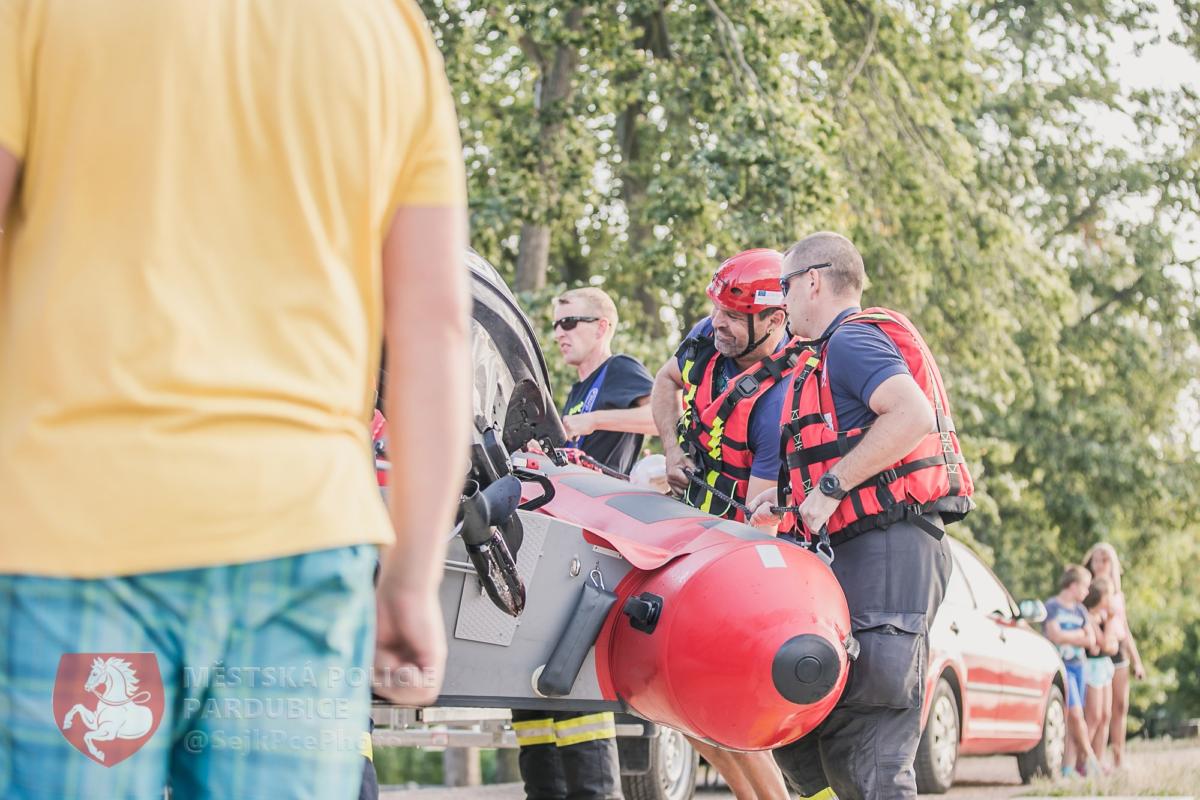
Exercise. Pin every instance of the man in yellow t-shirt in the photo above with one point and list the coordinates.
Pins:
(213, 214)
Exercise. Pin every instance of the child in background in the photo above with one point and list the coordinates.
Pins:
(1067, 626)
(1097, 705)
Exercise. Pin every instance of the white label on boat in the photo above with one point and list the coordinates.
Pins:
(770, 556)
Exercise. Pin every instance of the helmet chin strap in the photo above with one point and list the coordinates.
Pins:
(754, 344)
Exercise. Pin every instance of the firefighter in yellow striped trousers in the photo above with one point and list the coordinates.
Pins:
(566, 755)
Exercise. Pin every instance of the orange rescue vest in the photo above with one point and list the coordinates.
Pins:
(932, 478)
(714, 428)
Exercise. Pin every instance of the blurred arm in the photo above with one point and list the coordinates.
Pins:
(426, 311)
(10, 169)
(665, 403)
(426, 308)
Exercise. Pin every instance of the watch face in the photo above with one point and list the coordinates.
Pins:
(829, 484)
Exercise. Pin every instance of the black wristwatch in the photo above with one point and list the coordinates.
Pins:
(830, 486)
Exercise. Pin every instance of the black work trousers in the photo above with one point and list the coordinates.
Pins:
(894, 580)
(587, 770)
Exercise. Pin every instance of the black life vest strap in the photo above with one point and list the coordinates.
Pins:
(770, 369)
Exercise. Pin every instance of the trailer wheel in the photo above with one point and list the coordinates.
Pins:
(672, 774)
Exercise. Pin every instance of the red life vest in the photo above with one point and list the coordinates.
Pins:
(714, 428)
(932, 478)
(379, 443)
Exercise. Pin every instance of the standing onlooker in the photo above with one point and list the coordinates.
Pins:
(1102, 560)
(565, 754)
(222, 209)
(1098, 674)
(1067, 626)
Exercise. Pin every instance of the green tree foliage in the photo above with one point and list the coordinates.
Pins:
(1006, 191)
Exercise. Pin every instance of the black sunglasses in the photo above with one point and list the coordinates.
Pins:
(786, 279)
(569, 323)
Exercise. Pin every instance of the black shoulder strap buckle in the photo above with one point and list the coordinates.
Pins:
(746, 386)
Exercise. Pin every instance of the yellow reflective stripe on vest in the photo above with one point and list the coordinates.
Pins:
(715, 434)
(824, 794)
(711, 480)
(588, 728)
(365, 747)
(534, 731)
(685, 418)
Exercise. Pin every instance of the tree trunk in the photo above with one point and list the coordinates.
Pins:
(554, 92)
(633, 187)
(460, 766)
(533, 257)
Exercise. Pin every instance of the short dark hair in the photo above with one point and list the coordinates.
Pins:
(1074, 573)
(847, 275)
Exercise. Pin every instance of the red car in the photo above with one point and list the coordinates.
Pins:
(995, 685)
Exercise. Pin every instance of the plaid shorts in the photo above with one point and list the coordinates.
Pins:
(264, 693)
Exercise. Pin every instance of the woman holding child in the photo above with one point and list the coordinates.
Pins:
(1099, 669)
(1102, 561)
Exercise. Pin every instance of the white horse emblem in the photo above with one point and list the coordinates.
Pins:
(118, 714)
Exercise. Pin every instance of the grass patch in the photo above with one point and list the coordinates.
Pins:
(1153, 769)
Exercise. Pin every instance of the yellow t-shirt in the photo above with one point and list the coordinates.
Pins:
(190, 294)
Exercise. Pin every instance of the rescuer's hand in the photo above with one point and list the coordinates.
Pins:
(677, 462)
(760, 509)
(579, 424)
(410, 645)
(816, 510)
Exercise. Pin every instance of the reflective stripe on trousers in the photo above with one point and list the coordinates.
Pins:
(566, 732)
(534, 731)
(588, 728)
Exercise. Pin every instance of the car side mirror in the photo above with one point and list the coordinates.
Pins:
(1033, 611)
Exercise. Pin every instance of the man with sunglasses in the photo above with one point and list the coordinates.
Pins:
(873, 464)
(566, 754)
(607, 412)
(732, 370)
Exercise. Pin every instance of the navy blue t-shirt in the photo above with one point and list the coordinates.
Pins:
(625, 382)
(860, 357)
(764, 417)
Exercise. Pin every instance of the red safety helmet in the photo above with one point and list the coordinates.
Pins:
(748, 282)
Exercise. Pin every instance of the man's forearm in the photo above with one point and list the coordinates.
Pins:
(639, 419)
(665, 405)
(10, 168)
(892, 437)
(427, 317)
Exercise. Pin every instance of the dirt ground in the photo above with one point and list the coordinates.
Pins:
(1154, 770)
